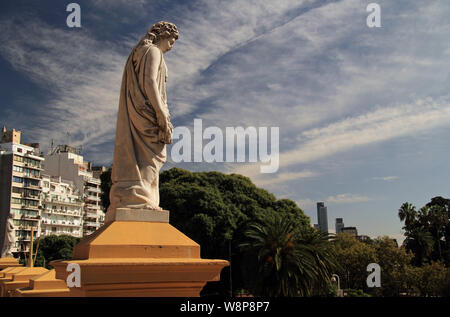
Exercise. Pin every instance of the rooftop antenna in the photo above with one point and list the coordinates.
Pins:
(68, 137)
(51, 146)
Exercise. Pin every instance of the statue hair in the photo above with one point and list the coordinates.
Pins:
(159, 31)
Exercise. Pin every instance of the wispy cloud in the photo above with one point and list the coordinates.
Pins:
(380, 125)
(265, 180)
(81, 74)
(385, 178)
(348, 199)
(305, 203)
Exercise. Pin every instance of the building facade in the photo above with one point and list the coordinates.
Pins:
(339, 225)
(20, 190)
(68, 163)
(62, 208)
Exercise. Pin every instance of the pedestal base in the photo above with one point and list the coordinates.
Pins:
(44, 285)
(136, 258)
(142, 277)
(18, 279)
(8, 262)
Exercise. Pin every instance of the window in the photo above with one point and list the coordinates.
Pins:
(16, 200)
(17, 179)
(16, 190)
(18, 158)
(18, 169)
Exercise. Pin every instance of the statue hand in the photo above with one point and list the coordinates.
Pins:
(162, 121)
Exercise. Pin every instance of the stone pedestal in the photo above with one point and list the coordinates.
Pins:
(44, 285)
(8, 262)
(139, 254)
(17, 278)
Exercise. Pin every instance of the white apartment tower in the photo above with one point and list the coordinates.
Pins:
(62, 208)
(66, 162)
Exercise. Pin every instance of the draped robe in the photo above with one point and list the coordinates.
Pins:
(138, 153)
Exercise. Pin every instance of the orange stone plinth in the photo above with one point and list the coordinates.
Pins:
(18, 279)
(138, 258)
(8, 262)
(44, 285)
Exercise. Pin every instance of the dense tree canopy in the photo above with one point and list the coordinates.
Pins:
(427, 230)
(215, 210)
(285, 261)
(54, 248)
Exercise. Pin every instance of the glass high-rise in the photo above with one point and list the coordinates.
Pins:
(322, 217)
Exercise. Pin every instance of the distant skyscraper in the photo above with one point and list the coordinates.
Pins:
(339, 225)
(322, 217)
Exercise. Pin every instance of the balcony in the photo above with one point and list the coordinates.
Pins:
(91, 224)
(93, 189)
(28, 165)
(94, 198)
(70, 213)
(26, 227)
(76, 234)
(30, 196)
(31, 177)
(92, 215)
(61, 202)
(30, 207)
(63, 212)
(27, 185)
(29, 217)
(60, 223)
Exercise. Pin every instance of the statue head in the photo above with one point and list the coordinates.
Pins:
(161, 32)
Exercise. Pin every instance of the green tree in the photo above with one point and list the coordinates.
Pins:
(420, 242)
(289, 261)
(353, 256)
(407, 213)
(105, 186)
(427, 231)
(54, 248)
(394, 263)
(432, 279)
(214, 209)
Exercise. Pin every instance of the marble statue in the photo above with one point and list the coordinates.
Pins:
(10, 238)
(143, 122)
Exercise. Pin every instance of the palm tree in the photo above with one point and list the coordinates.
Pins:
(290, 262)
(408, 213)
(420, 242)
(438, 218)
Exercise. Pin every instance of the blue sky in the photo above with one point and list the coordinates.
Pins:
(363, 112)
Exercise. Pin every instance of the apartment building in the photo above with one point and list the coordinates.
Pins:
(68, 163)
(20, 190)
(62, 208)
